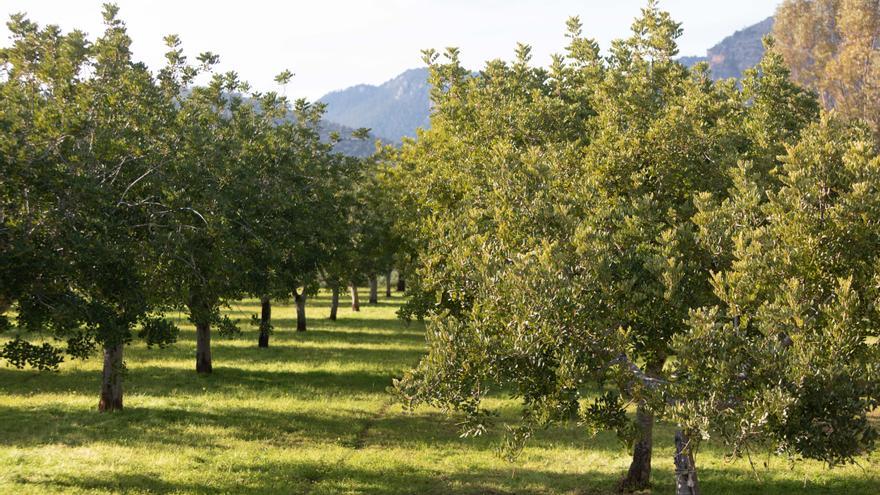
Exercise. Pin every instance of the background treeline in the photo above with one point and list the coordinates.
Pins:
(125, 195)
(621, 231)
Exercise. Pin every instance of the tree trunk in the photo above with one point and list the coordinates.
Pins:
(300, 311)
(334, 303)
(203, 347)
(401, 282)
(355, 300)
(374, 289)
(685, 468)
(639, 475)
(111, 379)
(265, 321)
(388, 284)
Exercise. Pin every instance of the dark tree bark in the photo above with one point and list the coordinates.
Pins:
(685, 468)
(401, 282)
(300, 311)
(355, 299)
(111, 379)
(203, 347)
(374, 289)
(265, 321)
(639, 475)
(334, 303)
(200, 312)
(388, 284)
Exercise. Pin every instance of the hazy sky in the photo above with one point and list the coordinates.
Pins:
(333, 44)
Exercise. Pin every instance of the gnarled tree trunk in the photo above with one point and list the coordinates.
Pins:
(334, 303)
(639, 475)
(111, 379)
(374, 289)
(355, 299)
(685, 467)
(401, 282)
(300, 311)
(388, 284)
(265, 321)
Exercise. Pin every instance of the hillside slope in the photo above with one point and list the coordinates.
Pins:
(392, 110)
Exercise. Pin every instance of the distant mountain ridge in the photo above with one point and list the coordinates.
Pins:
(396, 108)
(391, 110)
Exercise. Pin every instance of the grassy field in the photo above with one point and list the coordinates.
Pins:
(310, 415)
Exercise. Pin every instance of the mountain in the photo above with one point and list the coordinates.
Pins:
(398, 107)
(392, 110)
(740, 51)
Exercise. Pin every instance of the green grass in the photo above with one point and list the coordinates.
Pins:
(311, 415)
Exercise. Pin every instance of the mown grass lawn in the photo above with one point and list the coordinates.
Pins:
(310, 415)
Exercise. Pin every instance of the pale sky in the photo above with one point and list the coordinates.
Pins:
(333, 44)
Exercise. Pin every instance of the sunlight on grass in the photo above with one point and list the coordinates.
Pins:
(311, 415)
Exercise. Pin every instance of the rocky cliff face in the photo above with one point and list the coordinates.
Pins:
(736, 53)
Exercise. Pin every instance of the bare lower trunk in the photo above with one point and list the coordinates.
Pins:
(334, 303)
(401, 282)
(355, 300)
(639, 475)
(265, 321)
(685, 468)
(388, 284)
(111, 380)
(374, 290)
(203, 347)
(300, 311)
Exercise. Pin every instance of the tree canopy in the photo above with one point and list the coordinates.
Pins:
(126, 194)
(567, 242)
(833, 48)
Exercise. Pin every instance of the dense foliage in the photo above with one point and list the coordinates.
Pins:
(575, 226)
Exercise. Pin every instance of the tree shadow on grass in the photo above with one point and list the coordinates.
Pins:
(377, 330)
(325, 478)
(162, 426)
(379, 326)
(314, 354)
(196, 425)
(350, 332)
(319, 478)
(163, 381)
